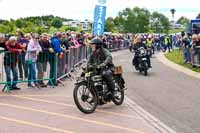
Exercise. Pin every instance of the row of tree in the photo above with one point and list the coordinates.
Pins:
(34, 24)
(140, 20)
(136, 20)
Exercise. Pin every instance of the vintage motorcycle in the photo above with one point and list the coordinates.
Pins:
(91, 90)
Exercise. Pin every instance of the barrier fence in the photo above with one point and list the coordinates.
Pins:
(197, 56)
(48, 67)
(16, 68)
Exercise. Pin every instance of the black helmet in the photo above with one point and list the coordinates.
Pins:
(97, 41)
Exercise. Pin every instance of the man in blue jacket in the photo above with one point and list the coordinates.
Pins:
(56, 42)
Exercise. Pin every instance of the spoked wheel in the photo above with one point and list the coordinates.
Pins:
(119, 96)
(85, 99)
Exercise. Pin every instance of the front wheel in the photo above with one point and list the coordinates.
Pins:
(119, 97)
(85, 99)
(145, 72)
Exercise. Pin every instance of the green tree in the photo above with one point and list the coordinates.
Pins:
(134, 20)
(4, 28)
(109, 25)
(57, 23)
(19, 23)
(159, 23)
(185, 22)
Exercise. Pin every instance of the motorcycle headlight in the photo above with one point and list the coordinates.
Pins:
(142, 51)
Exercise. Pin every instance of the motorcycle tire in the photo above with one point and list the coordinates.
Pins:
(145, 72)
(117, 100)
(80, 107)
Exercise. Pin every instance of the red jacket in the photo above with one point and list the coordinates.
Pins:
(11, 48)
(11, 55)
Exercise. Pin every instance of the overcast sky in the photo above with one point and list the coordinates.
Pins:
(84, 9)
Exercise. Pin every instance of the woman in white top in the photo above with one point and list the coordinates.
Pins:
(33, 50)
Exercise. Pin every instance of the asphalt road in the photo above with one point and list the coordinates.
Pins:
(171, 96)
(52, 110)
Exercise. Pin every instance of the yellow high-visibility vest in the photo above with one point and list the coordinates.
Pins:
(166, 41)
(149, 42)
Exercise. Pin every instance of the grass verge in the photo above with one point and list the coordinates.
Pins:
(176, 56)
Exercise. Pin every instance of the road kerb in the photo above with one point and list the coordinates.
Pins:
(153, 121)
(161, 57)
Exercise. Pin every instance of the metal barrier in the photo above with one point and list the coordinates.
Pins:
(51, 67)
(71, 59)
(33, 71)
(76, 56)
(197, 56)
(115, 46)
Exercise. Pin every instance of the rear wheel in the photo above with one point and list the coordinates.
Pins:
(119, 96)
(85, 99)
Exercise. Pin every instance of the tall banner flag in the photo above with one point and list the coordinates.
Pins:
(99, 17)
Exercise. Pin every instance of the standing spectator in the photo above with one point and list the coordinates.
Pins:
(21, 62)
(80, 39)
(168, 43)
(192, 50)
(10, 62)
(66, 41)
(56, 43)
(28, 37)
(31, 57)
(186, 49)
(2, 49)
(2, 41)
(105, 42)
(198, 49)
(75, 41)
(87, 41)
(43, 58)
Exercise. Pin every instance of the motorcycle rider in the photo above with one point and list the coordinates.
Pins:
(150, 43)
(102, 59)
(138, 44)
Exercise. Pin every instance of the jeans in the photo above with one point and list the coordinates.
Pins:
(41, 67)
(31, 72)
(22, 65)
(8, 69)
(186, 54)
(52, 62)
